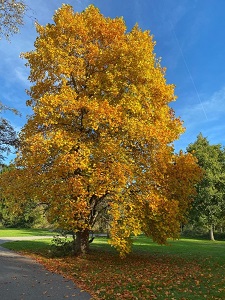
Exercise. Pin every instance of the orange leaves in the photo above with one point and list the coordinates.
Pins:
(99, 141)
(183, 175)
(153, 272)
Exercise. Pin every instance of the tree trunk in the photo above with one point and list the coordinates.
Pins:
(211, 233)
(82, 242)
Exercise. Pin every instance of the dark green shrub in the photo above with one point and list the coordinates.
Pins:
(61, 246)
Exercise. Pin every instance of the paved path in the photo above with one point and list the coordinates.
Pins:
(22, 278)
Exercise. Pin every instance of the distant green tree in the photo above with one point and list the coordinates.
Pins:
(209, 204)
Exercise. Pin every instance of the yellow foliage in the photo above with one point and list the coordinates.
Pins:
(100, 138)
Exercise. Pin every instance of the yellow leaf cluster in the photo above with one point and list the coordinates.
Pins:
(100, 138)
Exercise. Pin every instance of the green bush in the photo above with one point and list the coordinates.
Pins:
(61, 246)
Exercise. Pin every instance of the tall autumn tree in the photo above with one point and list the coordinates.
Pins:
(209, 203)
(100, 137)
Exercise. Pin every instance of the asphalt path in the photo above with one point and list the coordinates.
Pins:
(22, 278)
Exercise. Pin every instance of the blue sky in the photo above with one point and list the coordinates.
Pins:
(190, 38)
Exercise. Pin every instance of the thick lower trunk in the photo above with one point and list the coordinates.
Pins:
(211, 233)
(82, 242)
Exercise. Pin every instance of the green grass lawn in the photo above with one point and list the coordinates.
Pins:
(184, 269)
(17, 232)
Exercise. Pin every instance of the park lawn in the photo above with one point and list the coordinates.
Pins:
(22, 232)
(184, 269)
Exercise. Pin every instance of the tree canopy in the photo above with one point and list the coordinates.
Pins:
(8, 136)
(100, 139)
(209, 203)
(11, 17)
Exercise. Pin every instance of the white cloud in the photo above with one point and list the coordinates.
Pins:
(22, 75)
(209, 110)
(206, 117)
(215, 106)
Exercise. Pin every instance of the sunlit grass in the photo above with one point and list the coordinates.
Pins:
(36, 246)
(189, 248)
(19, 232)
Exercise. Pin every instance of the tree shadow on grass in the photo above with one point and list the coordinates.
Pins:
(36, 246)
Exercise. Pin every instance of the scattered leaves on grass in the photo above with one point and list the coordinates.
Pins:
(141, 276)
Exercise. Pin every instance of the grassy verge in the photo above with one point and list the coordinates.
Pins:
(185, 269)
(20, 232)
